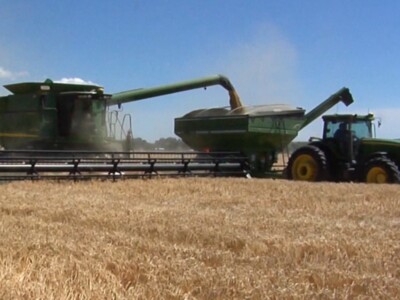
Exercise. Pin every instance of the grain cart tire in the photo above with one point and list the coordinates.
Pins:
(308, 163)
(381, 170)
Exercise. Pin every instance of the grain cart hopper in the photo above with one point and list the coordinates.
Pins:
(259, 132)
(347, 151)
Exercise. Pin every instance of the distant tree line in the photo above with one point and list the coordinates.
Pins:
(163, 144)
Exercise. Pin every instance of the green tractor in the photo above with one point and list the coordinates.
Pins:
(348, 151)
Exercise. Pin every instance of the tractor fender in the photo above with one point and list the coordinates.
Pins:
(324, 148)
(317, 143)
(362, 161)
(374, 155)
(379, 154)
(332, 158)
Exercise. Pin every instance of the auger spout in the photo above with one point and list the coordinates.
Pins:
(145, 93)
(342, 95)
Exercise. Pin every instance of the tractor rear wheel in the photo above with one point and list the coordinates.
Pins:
(308, 163)
(381, 170)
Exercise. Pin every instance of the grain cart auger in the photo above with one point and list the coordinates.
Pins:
(347, 151)
(52, 127)
(259, 132)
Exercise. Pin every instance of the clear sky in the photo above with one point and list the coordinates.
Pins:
(288, 51)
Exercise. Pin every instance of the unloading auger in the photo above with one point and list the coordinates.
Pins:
(145, 93)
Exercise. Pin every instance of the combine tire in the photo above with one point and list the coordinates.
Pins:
(308, 164)
(381, 170)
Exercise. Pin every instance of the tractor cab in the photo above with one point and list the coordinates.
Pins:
(346, 131)
(359, 126)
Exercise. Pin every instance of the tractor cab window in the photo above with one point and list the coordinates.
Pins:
(332, 129)
(361, 129)
(358, 128)
(346, 134)
(340, 132)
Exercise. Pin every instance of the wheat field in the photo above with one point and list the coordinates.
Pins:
(191, 238)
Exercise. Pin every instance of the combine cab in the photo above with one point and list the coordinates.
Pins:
(52, 115)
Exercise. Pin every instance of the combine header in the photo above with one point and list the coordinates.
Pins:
(52, 129)
(19, 165)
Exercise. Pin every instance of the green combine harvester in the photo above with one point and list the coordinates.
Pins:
(65, 116)
(50, 127)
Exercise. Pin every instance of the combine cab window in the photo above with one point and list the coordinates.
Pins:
(75, 116)
(65, 110)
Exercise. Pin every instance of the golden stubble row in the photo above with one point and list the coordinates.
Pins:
(199, 239)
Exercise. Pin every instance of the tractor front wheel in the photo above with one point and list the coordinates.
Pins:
(308, 164)
(381, 170)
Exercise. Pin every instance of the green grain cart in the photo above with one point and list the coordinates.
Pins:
(259, 132)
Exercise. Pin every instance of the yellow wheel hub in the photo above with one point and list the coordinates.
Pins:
(304, 168)
(377, 175)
